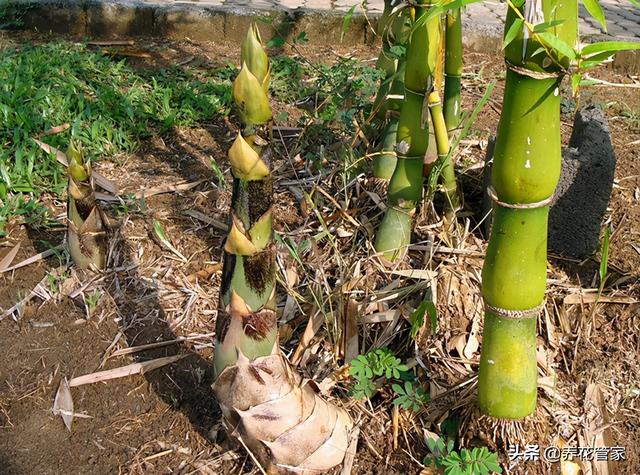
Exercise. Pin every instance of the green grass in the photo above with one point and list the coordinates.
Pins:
(112, 106)
(109, 105)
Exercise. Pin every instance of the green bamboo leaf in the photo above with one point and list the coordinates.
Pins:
(346, 21)
(609, 46)
(596, 11)
(604, 260)
(164, 239)
(540, 27)
(417, 316)
(438, 9)
(596, 59)
(557, 45)
(635, 3)
(512, 32)
(575, 82)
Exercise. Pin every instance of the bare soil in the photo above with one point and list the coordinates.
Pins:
(167, 421)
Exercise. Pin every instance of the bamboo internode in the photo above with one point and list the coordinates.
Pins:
(525, 172)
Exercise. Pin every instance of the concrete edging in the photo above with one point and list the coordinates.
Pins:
(134, 18)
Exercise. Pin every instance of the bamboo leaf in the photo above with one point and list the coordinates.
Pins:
(63, 403)
(595, 10)
(6, 261)
(537, 51)
(164, 239)
(609, 46)
(438, 9)
(346, 21)
(557, 45)
(575, 82)
(604, 260)
(596, 59)
(540, 27)
(635, 3)
(513, 31)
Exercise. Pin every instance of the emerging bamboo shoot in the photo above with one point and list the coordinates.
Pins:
(86, 231)
(274, 412)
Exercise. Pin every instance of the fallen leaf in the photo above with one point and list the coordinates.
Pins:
(135, 368)
(420, 274)
(593, 297)
(8, 258)
(472, 342)
(351, 330)
(63, 403)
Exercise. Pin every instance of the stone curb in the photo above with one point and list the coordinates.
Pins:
(134, 18)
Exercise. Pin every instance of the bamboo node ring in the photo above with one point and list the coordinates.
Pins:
(538, 204)
(534, 74)
(414, 92)
(408, 211)
(514, 314)
(411, 157)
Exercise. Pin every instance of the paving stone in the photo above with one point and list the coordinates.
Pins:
(317, 4)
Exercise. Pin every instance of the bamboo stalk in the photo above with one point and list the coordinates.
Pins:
(526, 169)
(385, 162)
(453, 69)
(393, 28)
(453, 200)
(405, 186)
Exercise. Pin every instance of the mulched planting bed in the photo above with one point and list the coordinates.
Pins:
(70, 323)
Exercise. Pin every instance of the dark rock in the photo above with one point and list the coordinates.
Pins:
(584, 189)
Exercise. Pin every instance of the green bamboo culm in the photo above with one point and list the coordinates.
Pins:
(393, 27)
(404, 192)
(453, 68)
(525, 173)
(247, 318)
(384, 162)
(453, 201)
(86, 230)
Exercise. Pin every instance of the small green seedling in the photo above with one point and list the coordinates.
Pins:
(375, 364)
(164, 239)
(475, 461)
(604, 260)
(380, 363)
(409, 396)
(92, 300)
